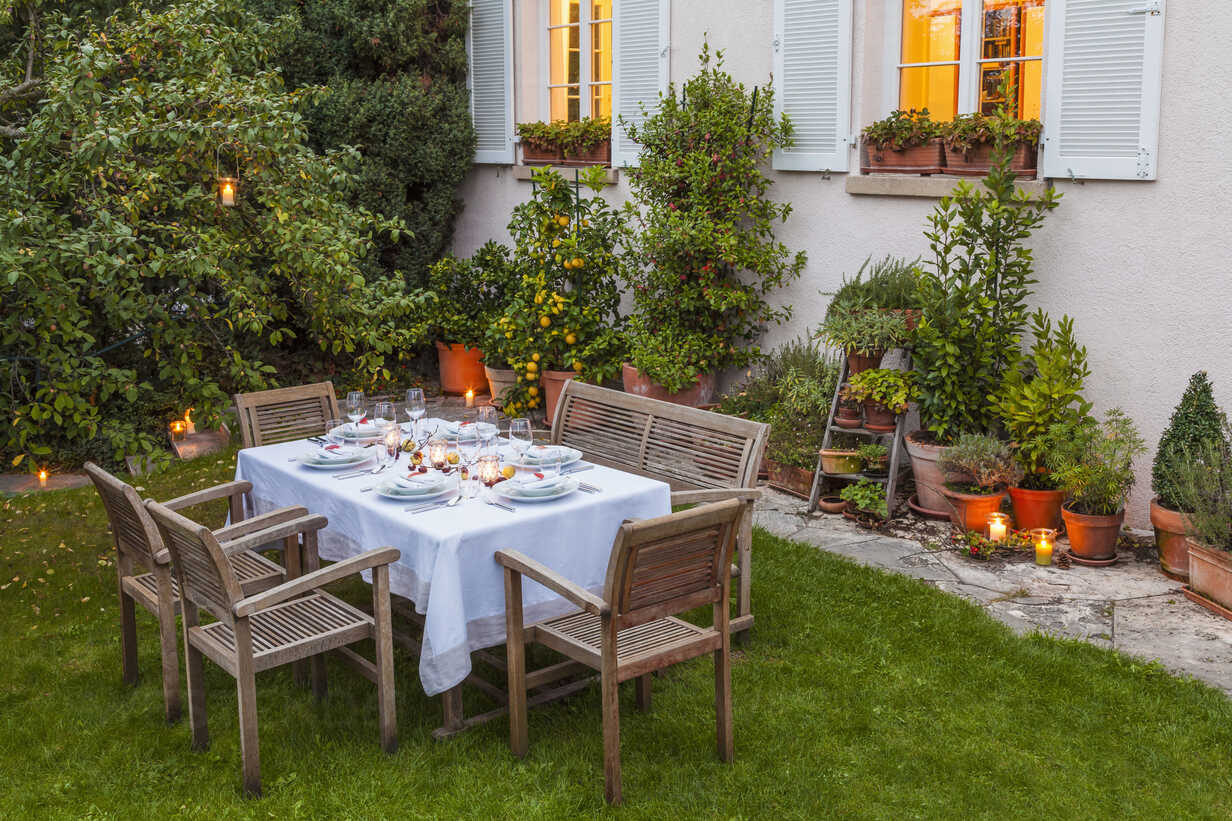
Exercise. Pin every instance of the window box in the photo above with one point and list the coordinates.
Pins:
(921, 159)
(598, 154)
(977, 161)
(535, 153)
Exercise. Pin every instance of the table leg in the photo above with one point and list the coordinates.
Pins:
(451, 705)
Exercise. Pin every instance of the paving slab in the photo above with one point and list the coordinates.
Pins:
(1180, 635)
(29, 483)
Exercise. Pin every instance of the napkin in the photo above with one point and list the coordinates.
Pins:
(535, 481)
(335, 453)
(542, 453)
(417, 481)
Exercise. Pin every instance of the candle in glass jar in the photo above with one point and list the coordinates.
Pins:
(470, 397)
(1044, 539)
(42, 477)
(998, 526)
(393, 440)
(489, 469)
(438, 452)
(177, 430)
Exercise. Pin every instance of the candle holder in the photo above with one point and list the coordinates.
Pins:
(42, 477)
(178, 427)
(470, 397)
(488, 469)
(998, 527)
(438, 452)
(393, 440)
(1044, 539)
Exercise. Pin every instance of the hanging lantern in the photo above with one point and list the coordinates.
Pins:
(228, 185)
(226, 191)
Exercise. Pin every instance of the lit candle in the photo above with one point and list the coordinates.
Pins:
(393, 440)
(998, 524)
(177, 430)
(438, 452)
(226, 191)
(190, 427)
(1043, 538)
(470, 397)
(42, 477)
(489, 469)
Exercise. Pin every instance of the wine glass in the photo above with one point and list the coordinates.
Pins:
(355, 407)
(520, 437)
(383, 414)
(333, 432)
(416, 407)
(468, 444)
(487, 425)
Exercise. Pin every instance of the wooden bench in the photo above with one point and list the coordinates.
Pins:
(704, 456)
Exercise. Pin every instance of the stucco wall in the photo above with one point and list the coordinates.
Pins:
(1143, 267)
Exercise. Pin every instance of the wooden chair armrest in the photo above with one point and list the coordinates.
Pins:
(276, 533)
(317, 578)
(210, 494)
(274, 517)
(549, 578)
(688, 497)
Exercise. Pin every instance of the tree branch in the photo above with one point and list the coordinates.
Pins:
(25, 89)
(13, 133)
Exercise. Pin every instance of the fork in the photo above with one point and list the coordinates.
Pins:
(364, 472)
(501, 505)
(585, 488)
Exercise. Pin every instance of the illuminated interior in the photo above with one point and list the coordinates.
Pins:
(1012, 29)
(932, 30)
(580, 87)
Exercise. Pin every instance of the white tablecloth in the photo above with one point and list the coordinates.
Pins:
(447, 568)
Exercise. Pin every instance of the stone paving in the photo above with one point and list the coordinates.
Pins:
(1130, 606)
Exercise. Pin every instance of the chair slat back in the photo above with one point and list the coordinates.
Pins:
(660, 567)
(134, 531)
(688, 448)
(284, 414)
(206, 577)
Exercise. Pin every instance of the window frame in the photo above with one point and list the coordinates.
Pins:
(585, 64)
(969, 59)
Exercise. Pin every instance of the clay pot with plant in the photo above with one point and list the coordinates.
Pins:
(876, 458)
(866, 497)
(587, 141)
(864, 334)
(1202, 483)
(885, 392)
(906, 142)
(972, 142)
(978, 468)
(1093, 462)
(1041, 390)
(1196, 421)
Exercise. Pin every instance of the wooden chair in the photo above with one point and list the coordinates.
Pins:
(704, 456)
(658, 568)
(284, 414)
(283, 624)
(143, 564)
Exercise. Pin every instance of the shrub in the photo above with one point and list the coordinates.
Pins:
(979, 463)
(1093, 461)
(465, 297)
(1195, 421)
(902, 129)
(706, 257)
(1201, 480)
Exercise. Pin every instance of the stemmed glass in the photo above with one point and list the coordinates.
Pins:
(383, 414)
(520, 437)
(416, 407)
(488, 429)
(333, 432)
(468, 449)
(355, 408)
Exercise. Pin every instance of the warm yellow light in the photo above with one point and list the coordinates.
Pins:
(998, 525)
(42, 477)
(226, 191)
(1044, 539)
(470, 397)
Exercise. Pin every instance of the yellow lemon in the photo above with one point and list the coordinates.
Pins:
(556, 243)
(508, 471)
(562, 221)
(570, 339)
(535, 357)
(577, 262)
(577, 365)
(531, 367)
(559, 258)
(534, 403)
(545, 321)
(539, 299)
(532, 390)
(452, 457)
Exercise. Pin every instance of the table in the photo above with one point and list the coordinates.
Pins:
(447, 567)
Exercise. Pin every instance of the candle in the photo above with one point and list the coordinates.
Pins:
(470, 397)
(177, 430)
(226, 191)
(42, 477)
(998, 524)
(189, 426)
(393, 440)
(489, 469)
(1043, 538)
(438, 452)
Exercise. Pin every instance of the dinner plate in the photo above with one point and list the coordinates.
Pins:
(568, 456)
(395, 490)
(311, 460)
(449, 430)
(383, 490)
(361, 434)
(567, 486)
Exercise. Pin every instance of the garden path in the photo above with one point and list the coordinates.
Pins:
(1129, 606)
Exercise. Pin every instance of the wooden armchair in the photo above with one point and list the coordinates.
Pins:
(285, 414)
(704, 456)
(658, 568)
(283, 624)
(143, 564)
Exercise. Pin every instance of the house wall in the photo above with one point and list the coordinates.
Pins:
(1143, 267)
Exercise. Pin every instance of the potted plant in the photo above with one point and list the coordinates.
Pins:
(587, 141)
(906, 142)
(461, 299)
(1040, 391)
(863, 333)
(540, 143)
(887, 285)
(876, 458)
(978, 468)
(1093, 462)
(865, 496)
(1195, 421)
(840, 460)
(972, 139)
(972, 297)
(849, 413)
(885, 393)
(705, 259)
(1202, 481)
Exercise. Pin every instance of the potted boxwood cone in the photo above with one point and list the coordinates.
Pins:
(885, 392)
(1094, 463)
(906, 142)
(1202, 482)
(1196, 421)
(978, 469)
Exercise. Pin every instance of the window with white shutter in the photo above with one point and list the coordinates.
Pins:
(1102, 85)
(812, 82)
(490, 47)
(639, 68)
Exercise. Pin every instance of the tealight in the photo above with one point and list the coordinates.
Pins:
(998, 526)
(1044, 539)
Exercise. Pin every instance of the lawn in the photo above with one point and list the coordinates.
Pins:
(860, 694)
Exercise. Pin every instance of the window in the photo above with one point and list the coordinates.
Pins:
(936, 72)
(579, 59)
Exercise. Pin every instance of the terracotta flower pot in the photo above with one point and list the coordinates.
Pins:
(857, 362)
(499, 381)
(878, 417)
(1037, 508)
(921, 159)
(831, 504)
(794, 480)
(928, 478)
(841, 461)
(848, 416)
(534, 153)
(461, 368)
(1092, 537)
(970, 510)
(553, 382)
(599, 154)
(636, 382)
(1170, 529)
(1210, 574)
(978, 160)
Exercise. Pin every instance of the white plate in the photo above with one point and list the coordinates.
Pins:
(364, 433)
(485, 430)
(358, 459)
(568, 486)
(419, 497)
(568, 456)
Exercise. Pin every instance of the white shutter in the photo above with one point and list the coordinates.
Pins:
(490, 48)
(639, 67)
(1103, 68)
(812, 82)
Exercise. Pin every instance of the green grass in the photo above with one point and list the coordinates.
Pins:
(860, 694)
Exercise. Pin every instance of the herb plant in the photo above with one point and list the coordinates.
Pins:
(966, 131)
(979, 463)
(1201, 479)
(889, 284)
(902, 129)
(874, 456)
(893, 388)
(706, 258)
(854, 328)
(1195, 421)
(867, 496)
(1094, 461)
